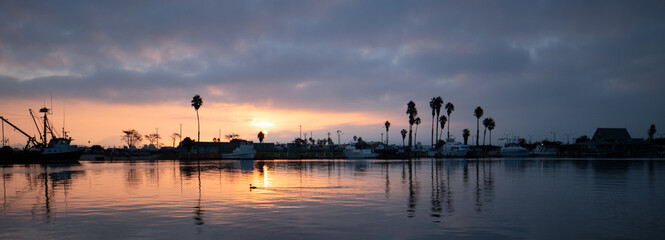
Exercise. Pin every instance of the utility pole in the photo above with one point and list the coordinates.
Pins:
(219, 138)
(3, 133)
(300, 136)
(180, 133)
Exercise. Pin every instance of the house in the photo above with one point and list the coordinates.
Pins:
(614, 142)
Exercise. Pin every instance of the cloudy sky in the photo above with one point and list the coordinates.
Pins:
(538, 68)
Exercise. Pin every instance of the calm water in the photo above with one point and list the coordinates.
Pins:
(314, 199)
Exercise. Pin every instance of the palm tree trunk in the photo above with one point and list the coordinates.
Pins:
(437, 129)
(448, 128)
(484, 134)
(477, 131)
(410, 136)
(432, 138)
(387, 137)
(198, 137)
(490, 137)
(415, 136)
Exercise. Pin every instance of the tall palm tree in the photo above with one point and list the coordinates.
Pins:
(486, 123)
(478, 113)
(197, 102)
(491, 127)
(442, 120)
(438, 104)
(403, 132)
(413, 113)
(415, 135)
(465, 134)
(449, 109)
(432, 105)
(387, 124)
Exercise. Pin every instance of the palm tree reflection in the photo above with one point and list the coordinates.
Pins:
(198, 211)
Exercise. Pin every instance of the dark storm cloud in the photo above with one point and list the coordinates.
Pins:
(518, 57)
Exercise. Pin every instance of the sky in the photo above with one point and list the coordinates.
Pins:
(540, 69)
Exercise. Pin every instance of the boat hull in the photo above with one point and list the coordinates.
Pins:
(34, 157)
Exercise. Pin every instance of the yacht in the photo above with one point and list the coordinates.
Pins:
(454, 149)
(351, 152)
(514, 150)
(244, 151)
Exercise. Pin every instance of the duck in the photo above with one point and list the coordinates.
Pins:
(252, 187)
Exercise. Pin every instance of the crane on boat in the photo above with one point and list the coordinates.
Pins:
(31, 139)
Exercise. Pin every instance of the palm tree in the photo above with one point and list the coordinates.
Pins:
(432, 105)
(415, 136)
(486, 123)
(261, 136)
(438, 104)
(196, 103)
(387, 124)
(442, 120)
(491, 127)
(465, 134)
(413, 113)
(449, 109)
(651, 132)
(403, 132)
(478, 113)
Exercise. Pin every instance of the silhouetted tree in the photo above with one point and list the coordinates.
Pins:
(197, 102)
(486, 122)
(413, 113)
(299, 142)
(187, 143)
(465, 134)
(131, 137)
(651, 132)
(403, 132)
(490, 126)
(152, 138)
(387, 124)
(581, 139)
(232, 136)
(415, 135)
(449, 109)
(442, 122)
(478, 113)
(261, 136)
(174, 136)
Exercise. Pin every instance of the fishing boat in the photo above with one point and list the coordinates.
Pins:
(54, 150)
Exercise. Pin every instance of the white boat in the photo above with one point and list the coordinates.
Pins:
(351, 152)
(454, 149)
(61, 149)
(514, 150)
(244, 151)
(542, 150)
